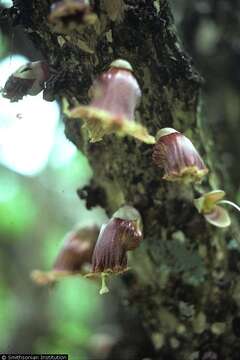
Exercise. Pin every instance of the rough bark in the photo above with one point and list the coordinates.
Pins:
(184, 281)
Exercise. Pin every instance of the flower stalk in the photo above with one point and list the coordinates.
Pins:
(104, 289)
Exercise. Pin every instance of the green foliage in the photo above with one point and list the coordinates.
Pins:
(77, 170)
(3, 45)
(8, 315)
(70, 311)
(35, 214)
(17, 208)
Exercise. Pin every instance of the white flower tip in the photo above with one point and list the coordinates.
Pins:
(164, 132)
(121, 64)
(127, 212)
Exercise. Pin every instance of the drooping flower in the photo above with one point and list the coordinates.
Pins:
(176, 154)
(68, 15)
(121, 234)
(115, 96)
(209, 205)
(27, 80)
(75, 253)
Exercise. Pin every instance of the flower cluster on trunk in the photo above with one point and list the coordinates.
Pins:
(115, 96)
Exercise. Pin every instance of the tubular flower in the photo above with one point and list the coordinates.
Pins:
(176, 154)
(115, 96)
(27, 80)
(67, 15)
(121, 234)
(75, 253)
(209, 205)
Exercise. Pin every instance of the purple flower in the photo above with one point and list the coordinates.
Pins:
(115, 95)
(27, 80)
(176, 154)
(121, 234)
(68, 15)
(75, 253)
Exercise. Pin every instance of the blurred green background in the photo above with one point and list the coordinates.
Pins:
(40, 171)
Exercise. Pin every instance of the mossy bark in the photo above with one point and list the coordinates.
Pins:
(185, 277)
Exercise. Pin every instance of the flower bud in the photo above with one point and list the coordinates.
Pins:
(176, 154)
(27, 80)
(121, 234)
(115, 96)
(68, 15)
(215, 214)
(75, 253)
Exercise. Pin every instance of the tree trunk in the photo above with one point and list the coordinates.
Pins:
(185, 276)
